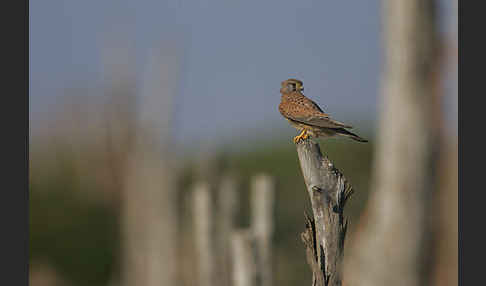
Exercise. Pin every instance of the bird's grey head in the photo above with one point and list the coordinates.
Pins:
(291, 85)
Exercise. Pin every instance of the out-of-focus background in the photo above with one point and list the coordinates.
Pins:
(144, 114)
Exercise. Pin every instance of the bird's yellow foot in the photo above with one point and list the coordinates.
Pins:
(302, 136)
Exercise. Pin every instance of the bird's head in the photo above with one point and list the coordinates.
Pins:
(291, 85)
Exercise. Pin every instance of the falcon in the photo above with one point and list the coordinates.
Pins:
(306, 116)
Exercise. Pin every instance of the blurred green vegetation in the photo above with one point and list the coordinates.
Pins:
(79, 235)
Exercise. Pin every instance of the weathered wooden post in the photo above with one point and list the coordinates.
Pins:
(325, 233)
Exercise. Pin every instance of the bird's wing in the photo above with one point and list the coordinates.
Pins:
(308, 112)
(321, 121)
(312, 104)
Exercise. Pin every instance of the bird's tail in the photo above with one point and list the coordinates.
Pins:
(344, 132)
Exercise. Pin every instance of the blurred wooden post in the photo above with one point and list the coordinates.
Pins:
(392, 246)
(325, 232)
(228, 207)
(148, 223)
(243, 254)
(262, 201)
(203, 226)
(149, 214)
(445, 272)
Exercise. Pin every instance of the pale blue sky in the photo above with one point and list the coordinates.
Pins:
(232, 54)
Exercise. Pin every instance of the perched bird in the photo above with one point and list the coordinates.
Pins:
(307, 117)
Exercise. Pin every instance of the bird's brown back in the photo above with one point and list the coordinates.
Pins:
(296, 107)
(296, 103)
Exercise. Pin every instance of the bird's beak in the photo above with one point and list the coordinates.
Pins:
(302, 89)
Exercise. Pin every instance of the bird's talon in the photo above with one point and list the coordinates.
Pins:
(302, 136)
